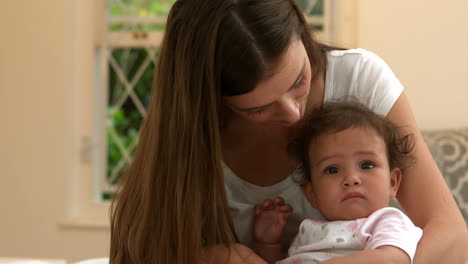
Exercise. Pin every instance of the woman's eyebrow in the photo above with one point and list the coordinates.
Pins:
(299, 77)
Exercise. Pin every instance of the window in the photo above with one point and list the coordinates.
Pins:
(133, 33)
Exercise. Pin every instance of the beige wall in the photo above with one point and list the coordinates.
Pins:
(35, 85)
(423, 41)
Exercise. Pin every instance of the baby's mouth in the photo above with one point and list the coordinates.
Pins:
(353, 195)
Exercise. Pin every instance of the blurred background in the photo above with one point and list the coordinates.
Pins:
(74, 85)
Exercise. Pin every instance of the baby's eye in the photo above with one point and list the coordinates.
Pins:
(331, 170)
(367, 165)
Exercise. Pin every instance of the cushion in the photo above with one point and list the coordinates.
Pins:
(449, 148)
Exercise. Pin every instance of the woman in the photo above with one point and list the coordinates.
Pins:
(233, 80)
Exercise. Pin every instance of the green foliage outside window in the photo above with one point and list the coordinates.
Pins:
(139, 8)
(123, 116)
(316, 11)
(124, 120)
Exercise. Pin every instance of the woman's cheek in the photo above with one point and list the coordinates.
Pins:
(261, 118)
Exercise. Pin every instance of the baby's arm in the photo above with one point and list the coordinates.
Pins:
(270, 220)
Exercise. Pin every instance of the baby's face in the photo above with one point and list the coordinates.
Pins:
(350, 174)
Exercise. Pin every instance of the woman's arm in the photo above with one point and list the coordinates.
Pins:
(232, 254)
(427, 200)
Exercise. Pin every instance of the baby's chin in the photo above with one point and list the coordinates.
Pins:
(345, 216)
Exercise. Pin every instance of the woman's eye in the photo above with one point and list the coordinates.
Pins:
(367, 165)
(300, 83)
(256, 111)
(331, 170)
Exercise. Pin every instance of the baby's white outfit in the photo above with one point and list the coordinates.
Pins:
(322, 240)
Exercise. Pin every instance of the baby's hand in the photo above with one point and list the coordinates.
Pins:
(270, 219)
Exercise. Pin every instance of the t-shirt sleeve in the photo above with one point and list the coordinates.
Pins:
(360, 75)
(390, 227)
(377, 85)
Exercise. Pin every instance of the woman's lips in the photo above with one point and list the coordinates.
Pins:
(353, 195)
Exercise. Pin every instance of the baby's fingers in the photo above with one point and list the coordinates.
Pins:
(279, 201)
(267, 204)
(288, 212)
(258, 210)
(282, 218)
(286, 209)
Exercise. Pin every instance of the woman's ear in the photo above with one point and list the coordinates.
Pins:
(395, 179)
(309, 193)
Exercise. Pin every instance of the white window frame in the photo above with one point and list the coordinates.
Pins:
(88, 134)
(89, 74)
(83, 208)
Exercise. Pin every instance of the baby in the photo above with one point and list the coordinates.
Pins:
(353, 162)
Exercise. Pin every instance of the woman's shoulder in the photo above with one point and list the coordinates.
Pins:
(353, 58)
(358, 52)
(355, 67)
(363, 75)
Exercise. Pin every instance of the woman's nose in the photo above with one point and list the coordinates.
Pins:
(291, 112)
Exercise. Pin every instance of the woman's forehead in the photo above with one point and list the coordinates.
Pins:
(285, 75)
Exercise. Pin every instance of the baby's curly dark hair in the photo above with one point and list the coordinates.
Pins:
(337, 116)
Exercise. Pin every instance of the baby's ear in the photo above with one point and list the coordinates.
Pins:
(309, 193)
(395, 179)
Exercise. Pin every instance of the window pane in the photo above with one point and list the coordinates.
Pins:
(140, 7)
(311, 7)
(130, 77)
(141, 15)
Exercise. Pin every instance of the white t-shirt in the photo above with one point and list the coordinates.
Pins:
(351, 75)
(318, 241)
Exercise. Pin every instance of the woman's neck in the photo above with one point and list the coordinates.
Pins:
(241, 131)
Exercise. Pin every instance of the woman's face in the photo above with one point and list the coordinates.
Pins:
(280, 99)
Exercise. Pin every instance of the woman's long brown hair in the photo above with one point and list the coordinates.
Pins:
(172, 202)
